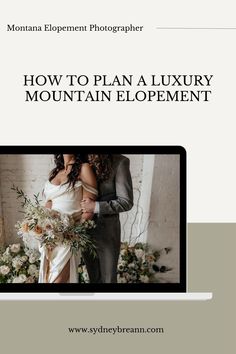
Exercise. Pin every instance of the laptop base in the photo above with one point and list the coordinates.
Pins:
(106, 296)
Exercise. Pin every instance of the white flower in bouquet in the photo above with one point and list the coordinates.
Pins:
(121, 265)
(123, 262)
(30, 280)
(17, 263)
(15, 248)
(24, 259)
(27, 251)
(6, 257)
(33, 270)
(34, 257)
(20, 279)
(144, 279)
(127, 277)
(121, 279)
(32, 253)
(139, 253)
(4, 270)
(86, 276)
(131, 265)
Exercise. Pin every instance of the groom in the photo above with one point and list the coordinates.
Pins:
(115, 196)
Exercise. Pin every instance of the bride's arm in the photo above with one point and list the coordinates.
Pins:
(48, 203)
(87, 176)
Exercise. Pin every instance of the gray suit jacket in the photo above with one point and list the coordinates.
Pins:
(115, 196)
(116, 193)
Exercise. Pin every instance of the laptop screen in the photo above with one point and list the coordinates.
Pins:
(92, 218)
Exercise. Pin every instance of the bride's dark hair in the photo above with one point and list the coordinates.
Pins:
(102, 166)
(72, 177)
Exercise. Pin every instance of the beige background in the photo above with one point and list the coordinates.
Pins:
(199, 327)
(190, 327)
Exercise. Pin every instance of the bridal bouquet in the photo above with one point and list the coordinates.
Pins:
(52, 228)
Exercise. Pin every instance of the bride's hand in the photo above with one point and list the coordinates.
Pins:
(48, 204)
(88, 205)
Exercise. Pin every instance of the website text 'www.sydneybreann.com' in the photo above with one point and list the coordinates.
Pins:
(115, 330)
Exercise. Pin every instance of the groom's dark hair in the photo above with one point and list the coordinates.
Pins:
(101, 165)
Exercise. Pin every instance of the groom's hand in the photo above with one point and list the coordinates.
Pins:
(88, 205)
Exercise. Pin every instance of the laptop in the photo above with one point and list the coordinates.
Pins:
(150, 231)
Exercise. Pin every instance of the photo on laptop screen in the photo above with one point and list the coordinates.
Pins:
(92, 218)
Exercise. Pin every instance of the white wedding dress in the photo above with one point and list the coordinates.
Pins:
(65, 200)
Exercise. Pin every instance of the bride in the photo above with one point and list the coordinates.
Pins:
(69, 182)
